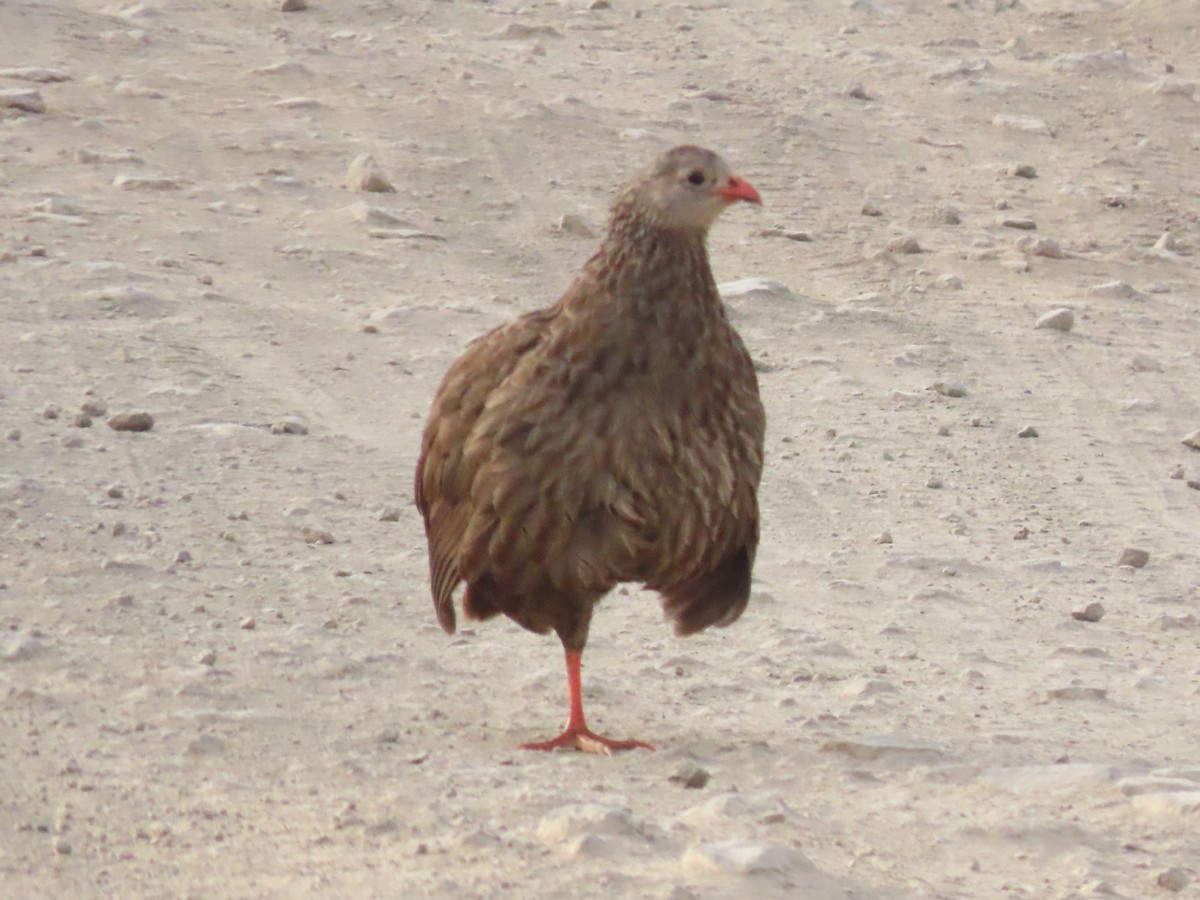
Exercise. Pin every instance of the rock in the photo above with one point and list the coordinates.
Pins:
(1020, 223)
(745, 288)
(298, 103)
(131, 421)
(691, 776)
(1119, 290)
(949, 282)
(316, 535)
(884, 537)
(1027, 124)
(950, 388)
(1061, 319)
(35, 73)
(574, 225)
(743, 858)
(1192, 440)
(1027, 432)
(1075, 692)
(289, 425)
(856, 91)
(24, 99)
(206, 745)
(947, 215)
(1133, 557)
(1040, 246)
(128, 182)
(1173, 879)
(1022, 171)
(1043, 779)
(247, 624)
(17, 646)
(1172, 805)
(884, 747)
(570, 822)
(516, 31)
(905, 243)
(389, 514)
(871, 208)
(1092, 612)
(365, 174)
(293, 5)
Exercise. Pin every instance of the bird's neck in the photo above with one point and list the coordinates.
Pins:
(653, 275)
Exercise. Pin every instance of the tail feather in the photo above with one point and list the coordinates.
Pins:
(717, 597)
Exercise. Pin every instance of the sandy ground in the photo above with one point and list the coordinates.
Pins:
(220, 670)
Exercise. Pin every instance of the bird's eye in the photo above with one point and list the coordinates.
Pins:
(696, 177)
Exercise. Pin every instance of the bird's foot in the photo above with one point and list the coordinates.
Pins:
(586, 741)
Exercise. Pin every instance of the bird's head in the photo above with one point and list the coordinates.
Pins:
(688, 187)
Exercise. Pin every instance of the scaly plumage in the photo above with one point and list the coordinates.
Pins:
(615, 436)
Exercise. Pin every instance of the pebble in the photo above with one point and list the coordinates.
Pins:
(131, 421)
(293, 5)
(1022, 170)
(206, 745)
(1131, 556)
(1020, 223)
(1076, 692)
(691, 776)
(128, 182)
(569, 822)
(365, 174)
(247, 624)
(743, 858)
(1041, 246)
(1021, 534)
(1171, 805)
(905, 243)
(1062, 319)
(62, 847)
(24, 99)
(870, 208)
(1023, 123)
(35, 73)
(946, 215)
(389, 514)
(115, 491)
(315, 535)
(949, 282)
(744, 288)
(1120, 290)
(1192, 440)
(1027, 432)
(950, 388)
(297, 103)
(574, 225)
(1093, 612)
(856, 91)
(289, 425)
(16, 646)
(884, 537)
(1173, 879)
(891, 747)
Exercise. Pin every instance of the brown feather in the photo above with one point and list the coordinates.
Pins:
(614, 437)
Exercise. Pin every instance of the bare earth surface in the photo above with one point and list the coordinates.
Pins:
(219, 667)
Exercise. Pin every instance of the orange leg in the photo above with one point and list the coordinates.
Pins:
(577, 734)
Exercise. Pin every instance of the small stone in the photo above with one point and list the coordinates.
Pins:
(290, 425)
(183, 556)
(1040, 246)
(24, 99)
(574, 225)
(1022, 171)
(206, 745)
(128, 182)
(1192, 440)
(365, 174)
(856, 91)
(950, 388)
(62, 847)
(947, 215)
(207, 658)
(905, 243)
(1022, 123)
(949, 282)
(884, 537)
(1131, 556)
(943, 431)
(1022, 224)
(1027, 432)
(14, 435)
(81, 420)
(51, 412)
(131, 421)
(1119, 290)
(870, 208)
(1021, 534)
(934, 483)
(1173, 879)
(247, 624)
(691, 776)
(73, 443)
(316, 535)
(743, 858)
(1062, 319)
(118, 529)
(1093, 612)
(1143, 363)
(297, 103)
(293, 5)
(389, 514)
(115, 491)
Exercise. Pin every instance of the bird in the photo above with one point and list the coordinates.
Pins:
(613, 437)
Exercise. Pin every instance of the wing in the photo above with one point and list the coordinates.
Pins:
(445, 471)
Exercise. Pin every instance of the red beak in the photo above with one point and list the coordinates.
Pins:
(737, 189)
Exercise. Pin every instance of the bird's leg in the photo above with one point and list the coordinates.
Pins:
(577, 734)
